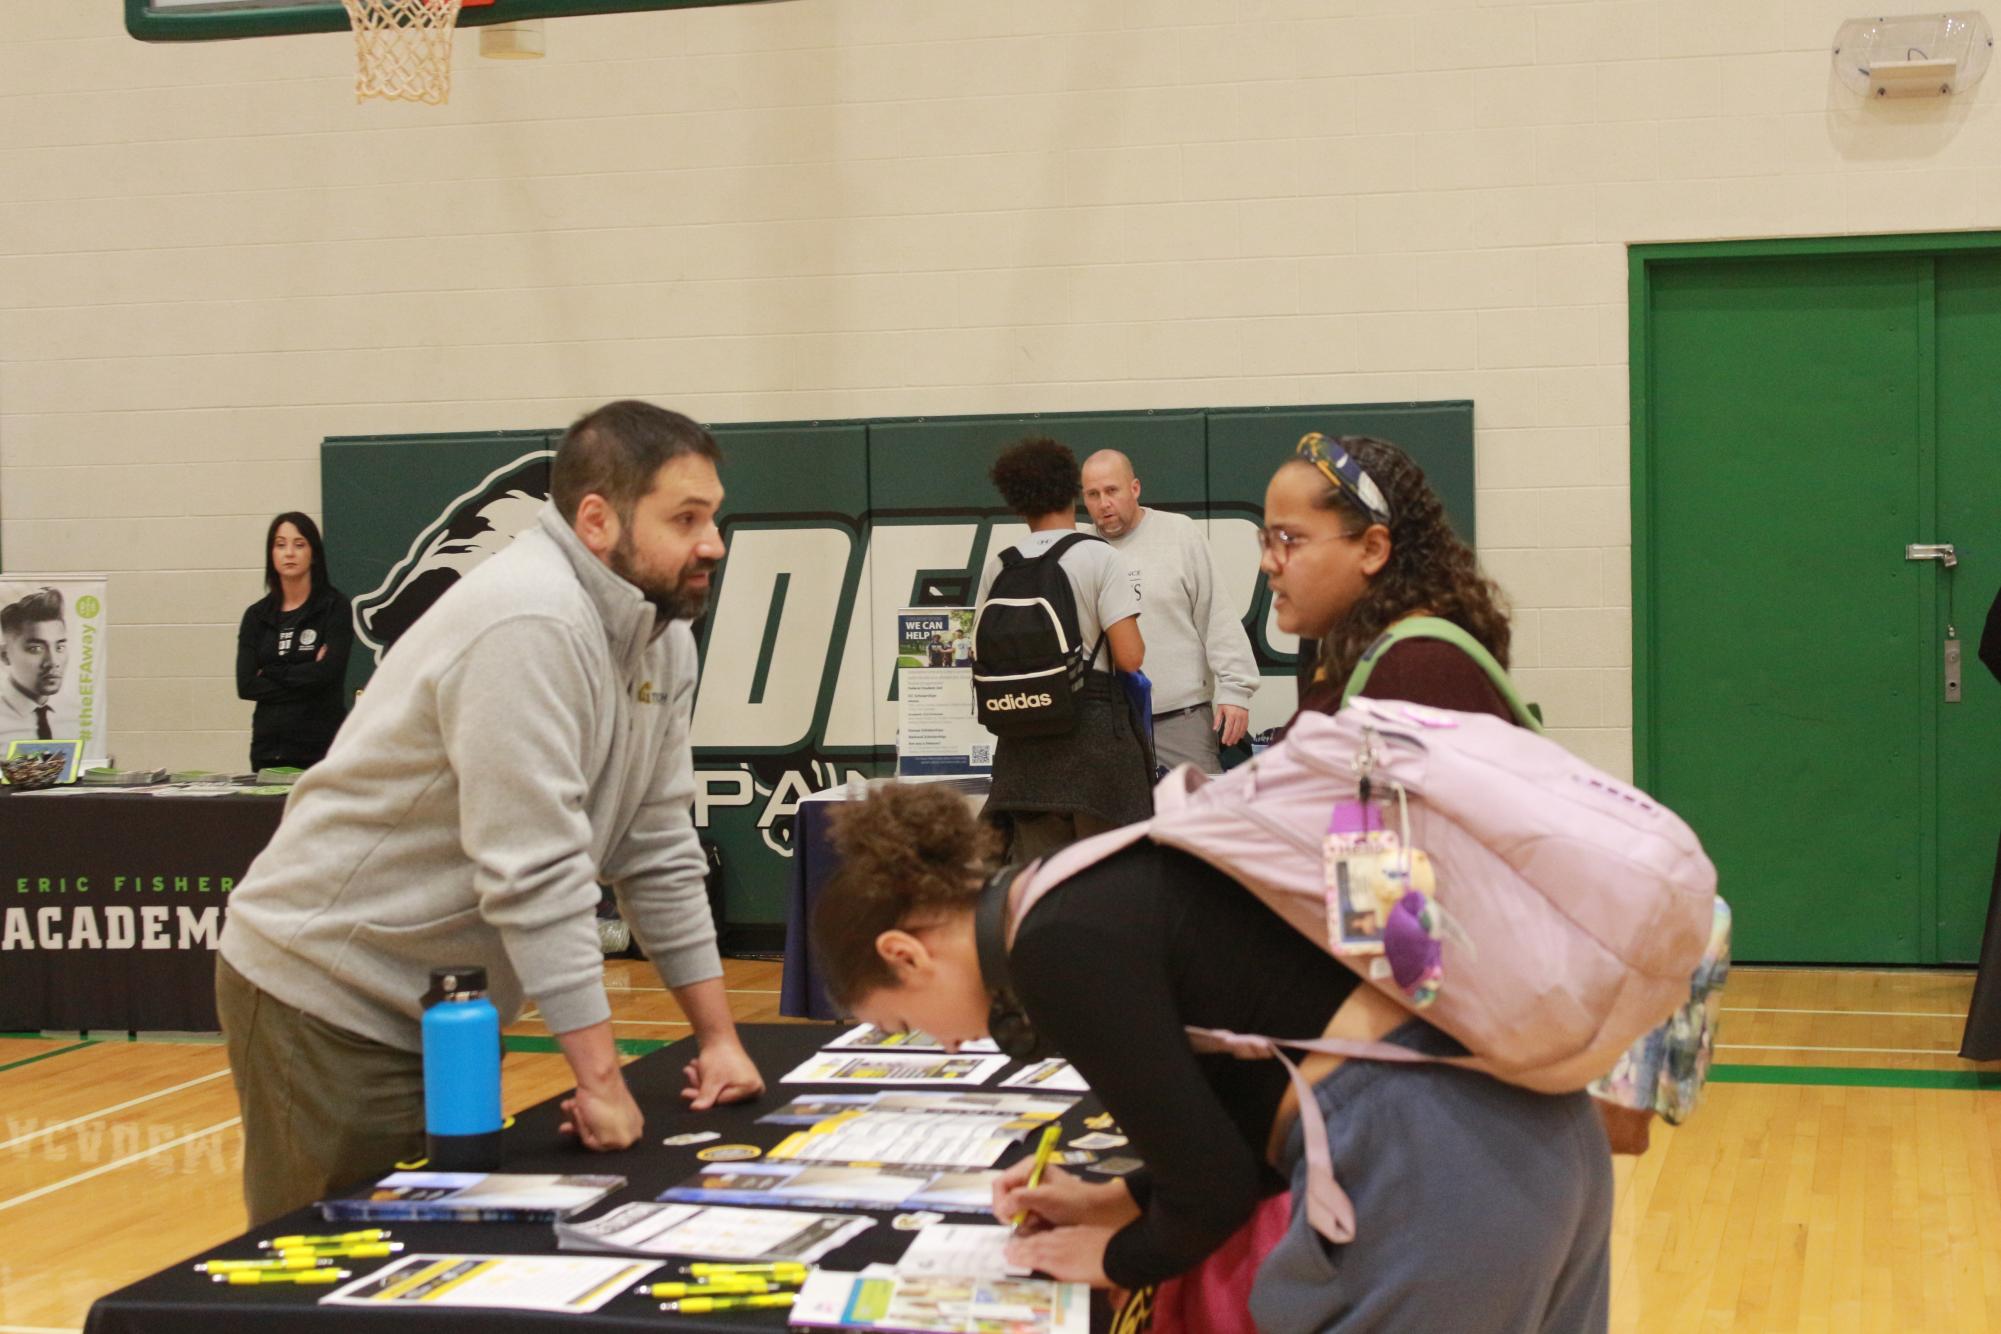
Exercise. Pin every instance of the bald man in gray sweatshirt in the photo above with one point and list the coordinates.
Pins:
(1197, 654)
(527, 738)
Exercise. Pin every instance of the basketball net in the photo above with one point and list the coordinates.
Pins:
(403, 48)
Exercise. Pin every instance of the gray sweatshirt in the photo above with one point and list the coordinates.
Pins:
(1196, 648)
(527, 738)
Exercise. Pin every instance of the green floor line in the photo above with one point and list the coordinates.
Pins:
(30, 1060)
(1850, 1076)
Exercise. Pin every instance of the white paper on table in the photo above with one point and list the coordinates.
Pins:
(847, 1068)
(1055, 1073)
(940, 1303)
(976, 1250)
(714, 1232)
(509, 1282)
(867, 1037)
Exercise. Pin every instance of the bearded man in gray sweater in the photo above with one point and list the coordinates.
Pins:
(1197, 654)
(527, 738)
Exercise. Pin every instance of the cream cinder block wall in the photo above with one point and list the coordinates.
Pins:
(212, 257)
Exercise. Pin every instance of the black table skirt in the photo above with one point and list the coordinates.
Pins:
(179, 1301)
(111, 904)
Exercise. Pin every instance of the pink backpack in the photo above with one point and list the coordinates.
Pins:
(1587, 904)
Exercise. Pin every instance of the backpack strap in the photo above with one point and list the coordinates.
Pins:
(1328, 1207)
(1437, 627)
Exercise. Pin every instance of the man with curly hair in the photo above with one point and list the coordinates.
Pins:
(1052, 790)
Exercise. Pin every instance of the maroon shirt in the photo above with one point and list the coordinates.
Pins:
(1423, 671)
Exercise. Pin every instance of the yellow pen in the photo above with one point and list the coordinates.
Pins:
(702, 1305)
(304, 1278)
(371, 1251)
(720, 1286)
(1050, 1135)
(266, 1266)
(782, 1269)
(336, 1239)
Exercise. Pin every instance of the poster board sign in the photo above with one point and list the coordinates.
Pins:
(937, 730)
(53, 664)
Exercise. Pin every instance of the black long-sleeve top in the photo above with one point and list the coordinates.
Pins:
(1109, 966)
(298, 691)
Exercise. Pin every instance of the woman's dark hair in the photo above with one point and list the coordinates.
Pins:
(1038, 476)
(308, 530)
(616, 451)
(1429, 570)
(911, 854)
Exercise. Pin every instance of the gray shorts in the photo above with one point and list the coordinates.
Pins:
(1480, 1208)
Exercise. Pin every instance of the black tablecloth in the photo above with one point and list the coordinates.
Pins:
(179, 1301)
(801, 995)
(111, 904)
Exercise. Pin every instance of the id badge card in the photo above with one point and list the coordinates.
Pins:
(1359, 856)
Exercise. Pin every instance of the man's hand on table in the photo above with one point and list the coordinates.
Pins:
(604, 1116)
(723, 1073)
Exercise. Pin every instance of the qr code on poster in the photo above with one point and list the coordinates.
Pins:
(982, 757)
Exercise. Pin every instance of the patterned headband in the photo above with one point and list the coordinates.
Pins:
(1344, 474)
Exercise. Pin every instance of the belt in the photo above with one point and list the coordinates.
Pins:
(1176, 713)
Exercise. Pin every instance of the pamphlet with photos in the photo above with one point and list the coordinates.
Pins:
(867, 1037)
(920, 1129)
(940, 1304)
(470, 1197)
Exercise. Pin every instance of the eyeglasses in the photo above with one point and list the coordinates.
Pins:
(1279, 543)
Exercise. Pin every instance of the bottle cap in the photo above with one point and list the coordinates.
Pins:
(466, 980)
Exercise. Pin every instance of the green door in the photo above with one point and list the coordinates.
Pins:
(1969, 516)
(1805, 419)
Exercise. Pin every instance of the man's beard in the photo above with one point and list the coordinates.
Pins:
(673, 599)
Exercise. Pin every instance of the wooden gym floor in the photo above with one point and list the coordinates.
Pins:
(1843, 1174)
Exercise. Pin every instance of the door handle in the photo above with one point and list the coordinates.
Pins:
(1942, 552)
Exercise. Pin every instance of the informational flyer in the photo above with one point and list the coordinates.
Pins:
(969, 1250)
(937, 731)
(574, 1284)
(845, 1068)
(867, 1037)
(923, 1129)
(831, 1187)
(941, 1304)
(713, 1232)
(1055, 1073)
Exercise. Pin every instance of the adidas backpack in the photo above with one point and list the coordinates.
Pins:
(1028, 661)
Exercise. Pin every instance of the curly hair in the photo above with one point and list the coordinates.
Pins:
(911, 854)
(1429, 571)
(1038, 476)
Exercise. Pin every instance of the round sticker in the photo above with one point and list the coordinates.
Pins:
(694, 1137)
(912, 1222)
(728, 1153)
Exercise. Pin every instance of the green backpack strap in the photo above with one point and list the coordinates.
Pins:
(1437, 627)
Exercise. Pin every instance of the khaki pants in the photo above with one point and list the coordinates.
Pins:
(323, 1109)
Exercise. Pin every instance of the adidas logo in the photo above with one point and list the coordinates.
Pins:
(1020, 701)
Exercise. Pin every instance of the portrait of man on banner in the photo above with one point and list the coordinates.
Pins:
(51, 661)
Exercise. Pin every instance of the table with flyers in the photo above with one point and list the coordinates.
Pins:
(180, 1300)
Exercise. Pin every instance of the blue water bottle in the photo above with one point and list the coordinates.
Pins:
(461, 1072)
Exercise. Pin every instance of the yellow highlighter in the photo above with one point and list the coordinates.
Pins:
(703, 1305)
(371, 1251)
(304, 1278)
(779, 1271)
(366, 1234)
(1050, 1134)
(261, 1266)
(725, 1285)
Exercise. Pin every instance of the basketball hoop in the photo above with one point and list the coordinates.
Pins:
(403, 48)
